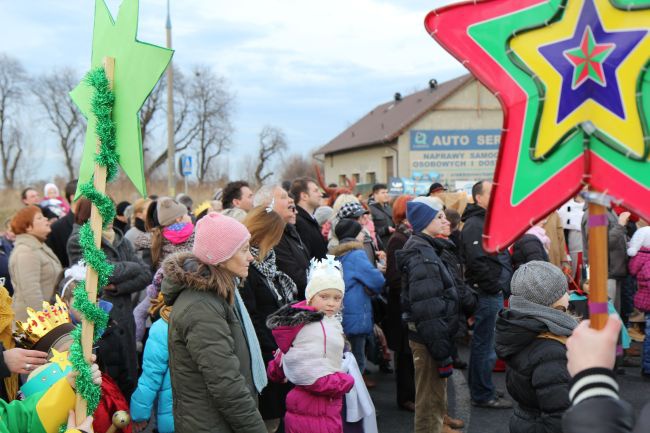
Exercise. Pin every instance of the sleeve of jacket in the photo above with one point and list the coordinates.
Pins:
(333, 385)
(248, 294)
(27, 278)
(132, 274)
(550, 380)
(428, 307)
(596, 407)
(155, 364)
(367, 274)
(477, 262)
(393, 274)
(635, 264)
(380, 220)
(212, 348)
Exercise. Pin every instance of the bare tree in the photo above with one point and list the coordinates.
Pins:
(150, 108)
(272, 143)
(12, 81)
(295, 166)
(65, 120)
(185, 125)
(212, 107)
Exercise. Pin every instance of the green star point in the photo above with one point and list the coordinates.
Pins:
(138, 67)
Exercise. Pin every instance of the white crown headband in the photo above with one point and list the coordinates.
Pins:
(328, 264)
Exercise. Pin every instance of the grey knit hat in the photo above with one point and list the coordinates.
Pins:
(169, 210)
(540, 282)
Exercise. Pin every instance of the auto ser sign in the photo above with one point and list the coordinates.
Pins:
(454, 155)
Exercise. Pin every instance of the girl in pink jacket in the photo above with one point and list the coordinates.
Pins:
(310, 341)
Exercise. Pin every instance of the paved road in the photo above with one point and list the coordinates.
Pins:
(393, 420)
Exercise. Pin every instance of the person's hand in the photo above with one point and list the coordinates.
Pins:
(85, 426)
(391, 229)
(590, 348)
(94, 370)
(381, 255)
(22, 361)
(623, 218)
(140, 425)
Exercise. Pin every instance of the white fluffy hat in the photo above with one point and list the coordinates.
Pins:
(324, 274)
(640, 239)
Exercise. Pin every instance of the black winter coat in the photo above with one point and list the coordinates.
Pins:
(429, 297)
(382, 216)
(57, 240)
(292, 258)
(114, 358)
(448, 253)
(394, 328)
(485, 273)
(526, 249)
(310, 233)
(261, 301)
(537, 377)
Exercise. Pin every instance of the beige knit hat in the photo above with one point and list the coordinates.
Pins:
(324, 274)
(169, 210)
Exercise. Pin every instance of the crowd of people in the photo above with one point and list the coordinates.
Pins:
(260, 311)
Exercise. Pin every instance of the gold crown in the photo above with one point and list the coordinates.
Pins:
(41, 323)
(202, 207)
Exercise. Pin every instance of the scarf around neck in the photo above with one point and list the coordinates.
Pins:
(269, 270)
(558, 323)
(178, 233)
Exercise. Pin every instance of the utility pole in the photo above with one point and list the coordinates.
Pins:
(171, 148)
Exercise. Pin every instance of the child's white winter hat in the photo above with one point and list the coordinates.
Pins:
(324, 274)
(640, 239)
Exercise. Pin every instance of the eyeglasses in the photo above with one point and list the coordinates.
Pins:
(293, 209)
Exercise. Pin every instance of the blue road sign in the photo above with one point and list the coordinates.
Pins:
(186, 165)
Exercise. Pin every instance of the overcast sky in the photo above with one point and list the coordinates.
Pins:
(309, 68)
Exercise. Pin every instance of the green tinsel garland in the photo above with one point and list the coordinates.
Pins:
(102, 106)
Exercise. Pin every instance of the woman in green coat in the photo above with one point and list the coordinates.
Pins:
(214, 358)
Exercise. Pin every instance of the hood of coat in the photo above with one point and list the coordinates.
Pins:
(515, 331)
(184, 271)
(289, 320)
(344, 248)
(473, 210)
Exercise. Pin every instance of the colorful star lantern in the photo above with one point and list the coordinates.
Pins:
(138, 67)
(573, 78)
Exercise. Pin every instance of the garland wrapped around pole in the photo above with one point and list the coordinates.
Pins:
(99, 270)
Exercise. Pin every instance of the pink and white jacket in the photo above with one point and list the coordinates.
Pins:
(639, 267)
(312, 407)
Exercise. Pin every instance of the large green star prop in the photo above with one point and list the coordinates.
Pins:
(138, 67)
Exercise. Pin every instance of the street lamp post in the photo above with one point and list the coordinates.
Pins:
(171, 148)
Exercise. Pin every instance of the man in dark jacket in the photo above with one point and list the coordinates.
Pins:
(430, 309)
(489, 276)
(382, 213)
(307, 196)
(57, 240)
(291, 255)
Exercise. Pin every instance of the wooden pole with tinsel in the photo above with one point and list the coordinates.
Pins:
(88, 334)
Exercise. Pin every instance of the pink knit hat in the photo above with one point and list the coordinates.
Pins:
(218, 237)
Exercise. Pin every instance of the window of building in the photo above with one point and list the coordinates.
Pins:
(356, 177)
(390, 172)
(341, 179)
(371, 177)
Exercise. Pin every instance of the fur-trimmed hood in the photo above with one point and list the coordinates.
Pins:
(184, 271)
(289, 320)
(346, 247)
